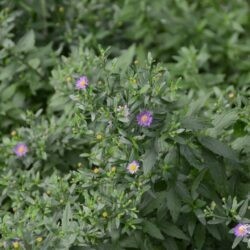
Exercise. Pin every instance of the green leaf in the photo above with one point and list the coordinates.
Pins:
(236, 242)
(199, 236)
(216, 170)
(144, 89)
(242, 143)
(149, 160)
(218, 147)
(129, 242)
(27, 42)
(224, 120)
(200, 215)
(195, 106)
(8, 72)
(123, 62)
(191, 224)
(243, 208)
(173, 204)
(170, 244)
(152, 230)
(8, 92)
(213, 230)
(174, 231)
(188, 154)
(66, 218)
(217, 221)
(194, 123)
(197, 181)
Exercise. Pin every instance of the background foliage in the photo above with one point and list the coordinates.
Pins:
(72, 190)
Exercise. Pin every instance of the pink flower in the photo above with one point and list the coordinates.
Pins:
(21, 149)
(241, 230)
(145, 118)
(82, 82)
(133, 167)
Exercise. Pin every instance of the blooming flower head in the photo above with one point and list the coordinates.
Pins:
(145, 118)
(82, 82)
(241, 230)
(133, 167)
(21, 149)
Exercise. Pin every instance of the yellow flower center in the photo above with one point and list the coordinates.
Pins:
(83, 83)
(242, 229)
(21, 150)
(133, 167)
(16, 244)
(144, 118)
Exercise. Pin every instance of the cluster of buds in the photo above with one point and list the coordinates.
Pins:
(124, 112)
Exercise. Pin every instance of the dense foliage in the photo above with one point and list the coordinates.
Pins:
(78, 168)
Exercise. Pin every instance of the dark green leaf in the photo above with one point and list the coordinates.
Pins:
(174, 231)
(149, 160)
(152, 230)
(173, 204)
(199, 236)
(187, 152)
(218, 148)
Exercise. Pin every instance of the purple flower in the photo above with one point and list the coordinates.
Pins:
(133, 167)
(82, 82)
(241, 230)
(145, 118)
(21, 149)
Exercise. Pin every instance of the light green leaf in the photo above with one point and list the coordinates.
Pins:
(66, 218)
(126, 58)
(27, 42)
(236, 242)
(8, 92)
(243, 208)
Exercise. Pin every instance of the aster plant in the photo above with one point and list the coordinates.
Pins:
(137, 161)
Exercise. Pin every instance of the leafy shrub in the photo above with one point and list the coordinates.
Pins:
(181, 196)
(24, 71)
(219, 30)
(78, 169)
